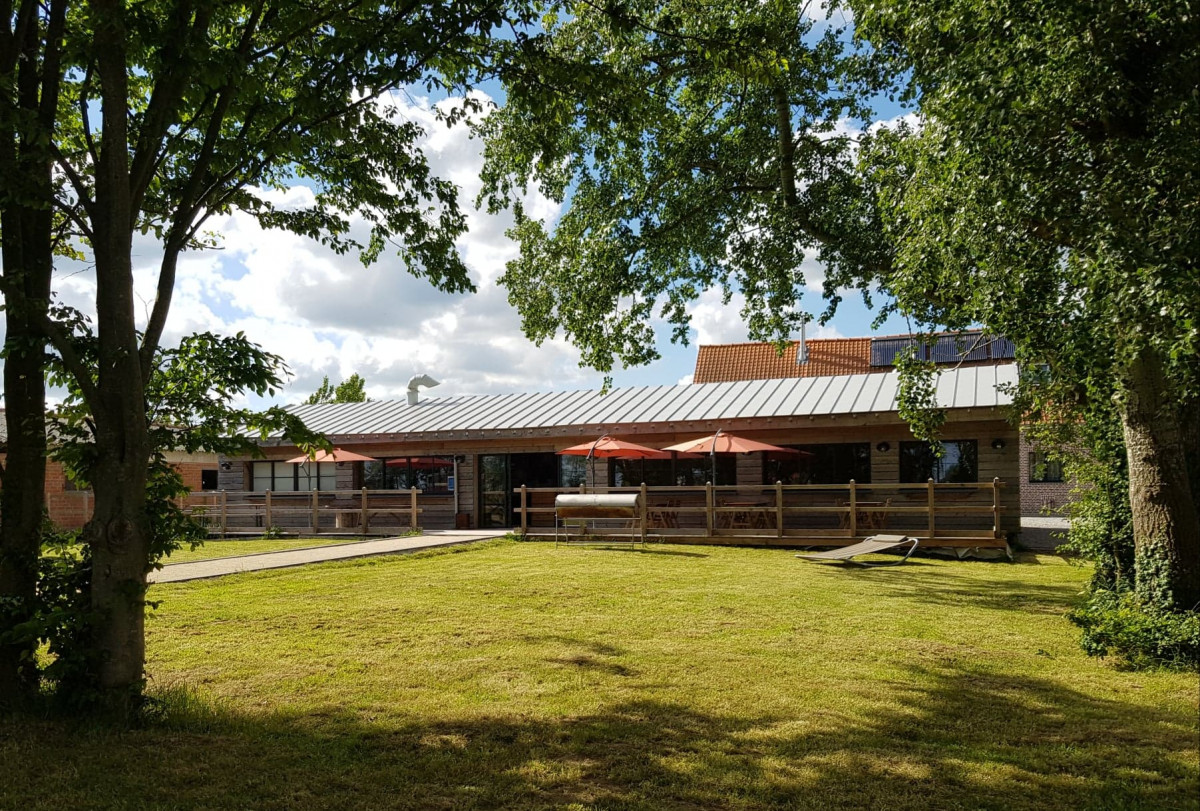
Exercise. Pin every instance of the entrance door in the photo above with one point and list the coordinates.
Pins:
(500, 473)
(495, 492)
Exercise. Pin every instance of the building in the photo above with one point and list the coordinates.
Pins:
(470, 455)
(70, 507)
(1044, 489)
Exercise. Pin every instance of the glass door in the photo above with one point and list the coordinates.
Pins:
(495, 492)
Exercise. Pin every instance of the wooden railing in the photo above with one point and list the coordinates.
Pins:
(938, 514)
(344, 512)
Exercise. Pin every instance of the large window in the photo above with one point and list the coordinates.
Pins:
(673, 472)
(832, 463)
(959, 462)
(429, 474)
(1043, 470)
(281, 477)
(573, 471)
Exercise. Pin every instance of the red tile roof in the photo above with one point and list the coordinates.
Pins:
(757, 361)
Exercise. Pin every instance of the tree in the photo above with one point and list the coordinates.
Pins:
(701, 145)
(206, 107)
(31, 60)
(190, 396)
(1050, 194)
(350, 390)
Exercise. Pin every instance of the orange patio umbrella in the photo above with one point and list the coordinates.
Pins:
(421, 462)
(608, 447)
(721, 442)
(336, 455)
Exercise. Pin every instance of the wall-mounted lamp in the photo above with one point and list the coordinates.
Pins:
(341, 464)
(226, 466)
(998, 444)
(883, 447)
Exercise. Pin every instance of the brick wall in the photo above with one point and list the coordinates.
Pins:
(70, 508)
(1041, 498)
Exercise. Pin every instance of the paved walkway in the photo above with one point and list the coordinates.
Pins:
(216, 567)
(1042, 533)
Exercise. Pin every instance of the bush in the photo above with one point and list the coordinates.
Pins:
(1139, 635)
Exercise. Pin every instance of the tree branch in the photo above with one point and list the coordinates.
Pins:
(79, 369)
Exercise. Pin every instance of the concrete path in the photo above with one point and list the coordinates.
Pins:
(200, 569)
(1041, 533)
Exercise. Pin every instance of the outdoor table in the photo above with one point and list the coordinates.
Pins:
(749, 515)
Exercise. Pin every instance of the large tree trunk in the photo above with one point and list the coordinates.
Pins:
(1166, 525)
(26, 283)
(118, 531)
(29, 77)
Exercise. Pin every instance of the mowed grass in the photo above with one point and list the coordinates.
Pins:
(517, 675)
(224, 548)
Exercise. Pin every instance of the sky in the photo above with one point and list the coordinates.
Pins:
(328, 315)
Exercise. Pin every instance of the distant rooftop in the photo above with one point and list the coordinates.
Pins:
(842, 356)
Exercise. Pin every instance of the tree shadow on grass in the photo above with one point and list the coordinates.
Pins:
(948, 738)
(949, 587)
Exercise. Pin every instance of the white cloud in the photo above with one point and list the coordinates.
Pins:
(327, 314)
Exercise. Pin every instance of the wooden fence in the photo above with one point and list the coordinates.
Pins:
(342, 512)
(951, 515)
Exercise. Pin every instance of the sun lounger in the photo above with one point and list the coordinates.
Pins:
(876, 543)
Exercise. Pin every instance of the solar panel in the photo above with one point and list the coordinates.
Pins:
(884, 350)
(964, 346)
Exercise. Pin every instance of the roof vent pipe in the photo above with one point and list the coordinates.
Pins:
(415, 382)
(802, 348)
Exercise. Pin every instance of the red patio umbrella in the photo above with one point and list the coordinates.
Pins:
(607, 447)
(726, 443)
(421, 462)
(336, 455)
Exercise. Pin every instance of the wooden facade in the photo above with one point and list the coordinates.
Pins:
(473, 505)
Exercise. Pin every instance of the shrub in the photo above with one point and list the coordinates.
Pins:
(1138, 634)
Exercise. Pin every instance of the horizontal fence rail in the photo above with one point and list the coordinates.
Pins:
(938, 514)
(343, 512)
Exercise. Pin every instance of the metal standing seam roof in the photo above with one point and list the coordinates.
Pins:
(967, 387)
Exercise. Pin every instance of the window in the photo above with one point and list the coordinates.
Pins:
(673, 472)
(208, 480)
(820, 464)
(280, 477)
(959, 462)
(1043, 470)
(572, 471)
(429, 474)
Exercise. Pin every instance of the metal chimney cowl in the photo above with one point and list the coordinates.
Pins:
(415, 382)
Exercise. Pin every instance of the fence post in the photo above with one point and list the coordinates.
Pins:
(413, 508)
(267, 511)
(524, 512)
(932, 512)
(708, 506)
(365, 514)
(644, 510)
(853, 509)
(996, 507)
(316, 516)
(224, 513)
(778, 509)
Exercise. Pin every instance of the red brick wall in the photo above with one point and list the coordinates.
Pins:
(1041, 498)
(71, 509)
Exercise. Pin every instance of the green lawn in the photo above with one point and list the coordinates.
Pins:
(517, 675)
(219, 548)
